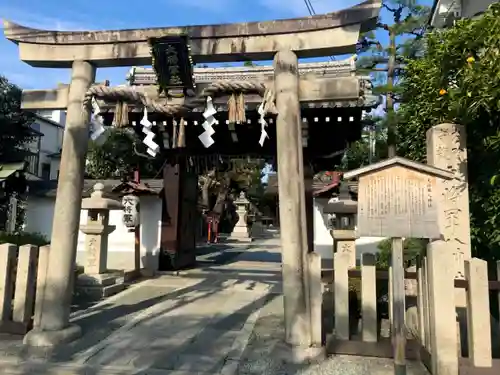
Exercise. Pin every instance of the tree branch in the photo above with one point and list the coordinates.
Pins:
(141, 154)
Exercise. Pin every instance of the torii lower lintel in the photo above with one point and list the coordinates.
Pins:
(311, 89)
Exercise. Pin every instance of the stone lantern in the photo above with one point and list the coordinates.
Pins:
(343, 232)
(97, 230)
(240, 231)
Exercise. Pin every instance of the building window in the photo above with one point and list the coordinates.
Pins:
(35, 126)
(46, 171)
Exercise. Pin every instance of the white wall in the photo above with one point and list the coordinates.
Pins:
(121, 245)
(472, 8)
(323, 241)
(56, 115)
(54, 168)
(50, 142)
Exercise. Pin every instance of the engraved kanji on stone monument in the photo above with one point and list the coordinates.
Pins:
(446, 149)
(396, 198)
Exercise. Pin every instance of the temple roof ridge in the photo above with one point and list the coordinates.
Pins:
(339, 68)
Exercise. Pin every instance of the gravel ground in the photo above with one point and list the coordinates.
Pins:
(266, 354)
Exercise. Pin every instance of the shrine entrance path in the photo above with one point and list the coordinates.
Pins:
(224, 318)
(196, 321)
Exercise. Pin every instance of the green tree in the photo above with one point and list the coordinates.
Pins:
(458, 80)
(239, 175)
(412, 247)
(404, 23)
(371, 148)
(15, 135)
(15, 132)
(118, 156)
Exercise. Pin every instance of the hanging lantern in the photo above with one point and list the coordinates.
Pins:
(130, 211)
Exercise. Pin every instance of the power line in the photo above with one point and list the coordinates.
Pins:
(309, 7)
(312, 12)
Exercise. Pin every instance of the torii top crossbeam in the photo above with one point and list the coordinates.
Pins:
(320, 35)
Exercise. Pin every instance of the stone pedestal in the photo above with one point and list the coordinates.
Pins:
(240, 231)
(98, 286)
(97, 281)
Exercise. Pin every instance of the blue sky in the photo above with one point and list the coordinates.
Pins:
(121, 14)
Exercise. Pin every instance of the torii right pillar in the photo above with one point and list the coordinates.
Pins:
(292, 207)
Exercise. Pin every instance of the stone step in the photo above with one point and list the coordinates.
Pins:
(101, 291)
(105, 279)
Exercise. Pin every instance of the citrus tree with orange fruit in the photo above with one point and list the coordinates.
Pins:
(458, 80)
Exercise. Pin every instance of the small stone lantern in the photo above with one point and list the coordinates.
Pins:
(240, 231)
(343, 233)
(97, 229)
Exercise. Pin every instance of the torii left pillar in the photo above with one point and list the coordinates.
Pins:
(54, 325)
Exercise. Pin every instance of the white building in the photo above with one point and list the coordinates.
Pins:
(45, 150)
(445, 12)
(323, 241)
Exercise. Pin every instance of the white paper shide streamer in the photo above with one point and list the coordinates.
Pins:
(96, 121)
(210, 121)
(153, 147)
(263, 125)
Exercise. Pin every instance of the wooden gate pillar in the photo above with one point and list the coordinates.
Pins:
(178, 217)
(292, 208)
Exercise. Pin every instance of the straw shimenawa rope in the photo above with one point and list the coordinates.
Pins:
(130, 94)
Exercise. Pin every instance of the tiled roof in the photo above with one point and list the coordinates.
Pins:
(7, 169)
(48, 188)
(320, 185)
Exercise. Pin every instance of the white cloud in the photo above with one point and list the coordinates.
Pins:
(28, 77)
(40, 21)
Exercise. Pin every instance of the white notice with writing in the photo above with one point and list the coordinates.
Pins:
(397, 202)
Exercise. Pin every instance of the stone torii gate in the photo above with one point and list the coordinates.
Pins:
(84, 51)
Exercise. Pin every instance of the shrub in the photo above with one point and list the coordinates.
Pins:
(412, 247)
(23, 238)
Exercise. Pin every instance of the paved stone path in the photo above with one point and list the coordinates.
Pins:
(225, 318)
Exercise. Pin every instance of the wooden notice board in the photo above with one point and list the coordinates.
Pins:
(397, 198)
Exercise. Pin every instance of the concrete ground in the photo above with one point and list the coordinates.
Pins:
(224, 318)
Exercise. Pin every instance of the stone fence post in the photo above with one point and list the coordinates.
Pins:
(443, 328)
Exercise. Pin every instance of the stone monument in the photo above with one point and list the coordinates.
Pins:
(97, 280)
(240, 231)
(446, 149)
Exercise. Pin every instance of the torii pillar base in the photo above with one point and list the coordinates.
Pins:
(52, 338)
